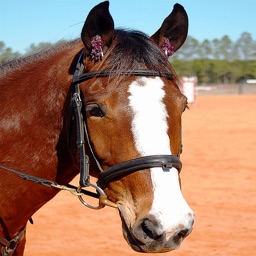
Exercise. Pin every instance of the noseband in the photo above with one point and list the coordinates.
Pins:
(122, 169)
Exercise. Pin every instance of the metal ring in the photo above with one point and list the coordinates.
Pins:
(103, 200)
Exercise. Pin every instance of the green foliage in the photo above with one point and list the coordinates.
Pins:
(7, 53)
(217, 61)
(209, 71)
(33, 48)
(218, 49)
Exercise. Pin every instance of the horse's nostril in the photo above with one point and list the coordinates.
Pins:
(183, 233)
(150, 229)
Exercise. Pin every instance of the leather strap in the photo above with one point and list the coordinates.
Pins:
(8, 247)
(120, 170)
(84, 159)
(4, 242)
(79, 76)
(135, 72)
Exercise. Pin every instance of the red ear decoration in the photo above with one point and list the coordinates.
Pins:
(167, 47)
(97, 48)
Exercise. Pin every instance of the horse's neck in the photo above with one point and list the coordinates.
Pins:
(33, 136)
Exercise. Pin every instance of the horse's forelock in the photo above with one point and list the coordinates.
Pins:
(133, 50)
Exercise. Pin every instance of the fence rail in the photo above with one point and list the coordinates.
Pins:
(226, 89)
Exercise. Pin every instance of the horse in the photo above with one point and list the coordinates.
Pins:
(106, 105)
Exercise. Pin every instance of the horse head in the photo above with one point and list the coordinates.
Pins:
(131, 115)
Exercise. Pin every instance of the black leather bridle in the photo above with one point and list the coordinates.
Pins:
(82, 137)
(122, 169)
(113, 173)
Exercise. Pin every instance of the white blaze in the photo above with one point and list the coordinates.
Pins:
(149, 125)
(149, 128)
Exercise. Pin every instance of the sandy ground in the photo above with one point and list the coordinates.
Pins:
(218, 180)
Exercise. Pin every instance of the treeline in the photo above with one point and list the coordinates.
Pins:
(217, 61)
(6, 53)
(212, 61)
(209, 71)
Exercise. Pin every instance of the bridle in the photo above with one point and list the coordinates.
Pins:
(122, 169)
(114, 172)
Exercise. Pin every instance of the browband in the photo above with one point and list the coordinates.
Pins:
(79, 76)
(135, 72)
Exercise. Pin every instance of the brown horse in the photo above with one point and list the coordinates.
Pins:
(131, 106)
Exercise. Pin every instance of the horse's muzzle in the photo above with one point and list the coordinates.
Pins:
(147, 235)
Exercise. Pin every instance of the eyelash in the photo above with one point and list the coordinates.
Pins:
(95, 110)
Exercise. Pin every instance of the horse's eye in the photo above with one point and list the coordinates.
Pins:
(95, 110)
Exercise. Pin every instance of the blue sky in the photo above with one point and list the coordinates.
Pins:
(24, 22)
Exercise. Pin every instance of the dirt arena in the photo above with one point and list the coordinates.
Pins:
(218, 180)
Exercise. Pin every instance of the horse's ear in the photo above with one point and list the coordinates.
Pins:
(173, 32)
(97, 32)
